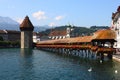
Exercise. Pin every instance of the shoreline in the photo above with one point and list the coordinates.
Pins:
(116, 57)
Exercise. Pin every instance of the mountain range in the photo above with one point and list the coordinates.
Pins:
(6, 23)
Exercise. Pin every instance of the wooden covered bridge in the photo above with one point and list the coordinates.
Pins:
(100, 43)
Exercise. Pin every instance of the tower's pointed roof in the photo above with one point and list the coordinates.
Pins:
(116, 14)
(118, 9)
(26, 25)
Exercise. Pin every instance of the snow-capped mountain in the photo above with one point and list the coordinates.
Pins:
(7, 20)
(8, 23)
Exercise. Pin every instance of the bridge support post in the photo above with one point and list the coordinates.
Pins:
(102, 56)
(109, 55)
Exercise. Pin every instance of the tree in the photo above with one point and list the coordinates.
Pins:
(1, 38)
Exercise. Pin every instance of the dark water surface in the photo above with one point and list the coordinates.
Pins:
(18, 64)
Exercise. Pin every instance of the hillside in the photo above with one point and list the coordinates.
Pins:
(8, 23)
(77, 30)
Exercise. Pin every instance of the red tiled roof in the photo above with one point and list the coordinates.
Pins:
(13, 31)
(58, 33)
(2, 32)
(80, 39)
(26, 25)
(9, 32)
(99, 35)
(104, 34)
(69, 40)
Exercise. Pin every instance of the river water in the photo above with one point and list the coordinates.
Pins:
(20, 64)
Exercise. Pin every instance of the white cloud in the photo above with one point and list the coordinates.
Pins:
(39, 15)
(59, 18)
(52, 24)
(19, 20)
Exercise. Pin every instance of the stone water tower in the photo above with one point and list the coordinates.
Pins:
(26, 28)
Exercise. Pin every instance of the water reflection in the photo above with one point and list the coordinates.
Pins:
(26, 52)
(96, 70)
(26, 63)
(105, 71)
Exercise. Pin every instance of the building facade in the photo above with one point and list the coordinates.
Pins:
(115, 25)
(10, 35)
(36, 37)
(61, 34)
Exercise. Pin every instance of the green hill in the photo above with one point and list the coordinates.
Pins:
(77, 31)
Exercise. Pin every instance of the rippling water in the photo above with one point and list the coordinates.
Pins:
(19, 64)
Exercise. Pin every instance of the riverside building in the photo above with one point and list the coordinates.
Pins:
(116, 26)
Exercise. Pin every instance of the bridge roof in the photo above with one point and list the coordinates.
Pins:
(80, 39)
(68, 40)
(104, 34)
(101, 35)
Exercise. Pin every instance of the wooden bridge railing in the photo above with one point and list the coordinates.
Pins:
(65, 46)
(106, 50)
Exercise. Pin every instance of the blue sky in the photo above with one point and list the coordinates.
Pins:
(60, 12)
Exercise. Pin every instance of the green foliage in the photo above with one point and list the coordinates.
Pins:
(9, 44)
(78, 31)
(1, 38)
(81, 31)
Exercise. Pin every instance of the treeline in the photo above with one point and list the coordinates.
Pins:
(8, 44)
(77, 30)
